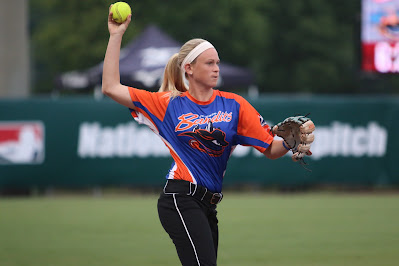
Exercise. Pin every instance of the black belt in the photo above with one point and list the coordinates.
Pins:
(199, 192)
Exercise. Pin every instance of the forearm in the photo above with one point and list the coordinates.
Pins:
(111, 75)
(275, 150)
(111, 83)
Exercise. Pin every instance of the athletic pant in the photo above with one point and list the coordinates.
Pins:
(192, 225)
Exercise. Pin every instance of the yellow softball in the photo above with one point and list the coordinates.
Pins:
(120, 11)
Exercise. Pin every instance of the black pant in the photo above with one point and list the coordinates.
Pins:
(192, 225)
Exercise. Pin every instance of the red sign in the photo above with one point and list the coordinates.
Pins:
(380, 36)
(22, 142)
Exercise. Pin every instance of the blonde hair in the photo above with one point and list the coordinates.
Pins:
(173, 79)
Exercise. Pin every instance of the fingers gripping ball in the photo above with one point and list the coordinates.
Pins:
(297, 132)
(120, 11)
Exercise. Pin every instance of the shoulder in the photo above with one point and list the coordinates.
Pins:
(230, 95)
(233, 96)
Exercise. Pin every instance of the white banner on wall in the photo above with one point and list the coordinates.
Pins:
(338, 139)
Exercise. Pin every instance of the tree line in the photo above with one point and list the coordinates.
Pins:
(301, 46)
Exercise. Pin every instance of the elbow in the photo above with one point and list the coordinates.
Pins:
(106, 90)
(109, 88)
(271, 157)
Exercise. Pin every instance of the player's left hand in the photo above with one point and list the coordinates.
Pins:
(297, 132)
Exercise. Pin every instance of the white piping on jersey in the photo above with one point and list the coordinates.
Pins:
(172, 172)
(141, 119)
(170, 147)
(185, 227)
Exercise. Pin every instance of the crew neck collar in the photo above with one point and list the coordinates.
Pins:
(201, 102)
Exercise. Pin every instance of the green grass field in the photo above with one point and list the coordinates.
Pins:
(255, 229)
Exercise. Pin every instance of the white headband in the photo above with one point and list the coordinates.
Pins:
(200, 48)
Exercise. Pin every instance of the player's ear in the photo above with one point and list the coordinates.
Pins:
(189, 69)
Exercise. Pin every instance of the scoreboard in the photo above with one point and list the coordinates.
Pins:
(380, 36)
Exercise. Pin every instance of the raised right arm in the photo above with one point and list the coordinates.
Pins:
(111, 85)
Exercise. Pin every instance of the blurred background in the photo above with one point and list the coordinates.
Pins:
(87, 176)
(337, 60)
(286, 45)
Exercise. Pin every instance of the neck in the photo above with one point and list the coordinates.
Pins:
(201, 94)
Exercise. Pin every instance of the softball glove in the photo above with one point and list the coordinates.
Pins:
(297, 132)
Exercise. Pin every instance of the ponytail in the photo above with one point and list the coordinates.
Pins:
(173, 79)
(173, 76)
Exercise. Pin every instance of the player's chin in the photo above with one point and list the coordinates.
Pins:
(213, 82)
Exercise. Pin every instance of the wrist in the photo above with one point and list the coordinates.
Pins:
(285, 145)
(116, 35)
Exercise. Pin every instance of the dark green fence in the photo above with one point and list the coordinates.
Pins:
(84, 142)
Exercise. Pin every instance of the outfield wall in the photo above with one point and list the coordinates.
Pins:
(80, 142)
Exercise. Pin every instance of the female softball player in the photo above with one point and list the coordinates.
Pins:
(201, 127)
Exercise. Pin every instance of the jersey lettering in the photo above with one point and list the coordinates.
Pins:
(189, 120)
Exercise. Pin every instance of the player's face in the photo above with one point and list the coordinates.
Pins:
(206, 68)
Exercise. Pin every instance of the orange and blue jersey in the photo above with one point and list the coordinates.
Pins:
(201, 135)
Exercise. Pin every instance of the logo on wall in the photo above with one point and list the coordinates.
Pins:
(21, 142)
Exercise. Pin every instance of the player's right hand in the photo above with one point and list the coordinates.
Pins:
(117, 28)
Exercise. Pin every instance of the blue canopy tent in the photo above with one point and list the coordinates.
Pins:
(142, 63)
